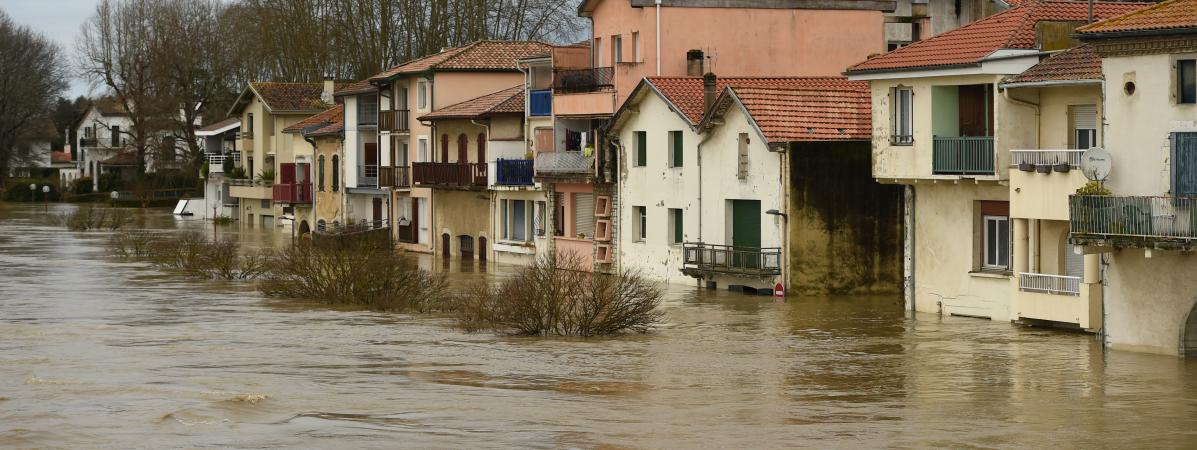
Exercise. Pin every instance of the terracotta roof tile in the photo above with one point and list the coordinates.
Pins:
(1012, 29)
(506, 101)
(1169, 15)
(787, 115)
(687, 93)
(360, 87)
(290, 96)
(481, 55)
(221, 124)
(60, 156)
(327, 117)
(1075, 64)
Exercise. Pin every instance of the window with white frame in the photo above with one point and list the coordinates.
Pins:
(995, 242)
(422, 95)
(641, 215)
(516, 220)
(903, 126)
(1084, 126)
(617, 48)
(422, 149)
(636, 55)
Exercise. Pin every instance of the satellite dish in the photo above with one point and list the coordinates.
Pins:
(1095, 163)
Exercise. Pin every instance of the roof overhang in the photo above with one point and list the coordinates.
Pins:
(1000, 62)
(1137, 33)
(586, 8)
(220, 130)
(1049, 83)
(629, 106)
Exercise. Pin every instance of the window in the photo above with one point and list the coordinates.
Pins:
(583, 215)
(1084, 126)
(598, 52)
(636, 46)
(559, 214)
(903, 132)
(995, 243)
(249, 124)
(367, 110)
(116, 136)
(641, 215)
(1184, 164)
(539, 223)
(641, 148)
(422, 95)
(265, 204)
(516, 224)
(676, 235)
(1186, 81)
(742, 159)
(336, 170)
(320, 173)
(617, 48)
(675, 149)
(422, 150)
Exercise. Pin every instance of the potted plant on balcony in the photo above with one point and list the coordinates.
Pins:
(1085, 209)
(1026, 167)
(266, 177)
(1043, 168)
(1062, 167)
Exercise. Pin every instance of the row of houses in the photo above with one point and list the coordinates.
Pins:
(932, 149)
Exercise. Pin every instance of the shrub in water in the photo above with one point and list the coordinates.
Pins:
(549, 297)
(92, 218)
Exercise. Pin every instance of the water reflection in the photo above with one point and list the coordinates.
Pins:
(102, 353)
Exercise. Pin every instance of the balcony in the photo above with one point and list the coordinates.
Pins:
(401, 176)
(514, 172)
(367, 176)
(1045, 161)
(449, 174)
(540, 103)
(1049, 284)
(584, 104)
(1058, 298)
(1041, 182)
(702, 260)
(558, 164)
(216, 162)
(583, 80)
(293, 193)
(1128, 221)
(394, 120)
(971, 155)
(339, 229)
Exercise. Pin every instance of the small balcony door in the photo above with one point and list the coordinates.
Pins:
(746, 229)
(370, 154)
(463, 148)
(976, 110)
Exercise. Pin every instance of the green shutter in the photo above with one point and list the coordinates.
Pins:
(677, 148)
(641, 148)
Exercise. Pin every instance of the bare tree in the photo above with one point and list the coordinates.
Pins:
(31, 78)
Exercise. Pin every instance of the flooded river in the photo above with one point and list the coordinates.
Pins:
(98, 353)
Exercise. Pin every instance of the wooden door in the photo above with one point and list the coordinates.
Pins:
(481, 147)
(463, 148)
(377, 206)
(370, 158)
(975, 115)
(445, 241)
(444, 148)
(415, 220)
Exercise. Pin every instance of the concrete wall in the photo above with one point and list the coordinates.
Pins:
(1149, 299)
(789, 42)
(461, 213)
(330, 205)
(455, 128)
(945, 255)
(845, 229)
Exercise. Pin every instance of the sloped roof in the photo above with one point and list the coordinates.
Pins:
(1169, 15)
(506, 101)
(360, 87)
(290, 96)
(686, 93)
(1080, 63)
(331, 116)
(109, 107)
(218, 126)
(787, 115)
(970, 44)
(60, 156)
(478, 56)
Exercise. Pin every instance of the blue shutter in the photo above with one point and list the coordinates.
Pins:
(1184, 164)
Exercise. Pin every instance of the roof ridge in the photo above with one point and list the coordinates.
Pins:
(1167, 3)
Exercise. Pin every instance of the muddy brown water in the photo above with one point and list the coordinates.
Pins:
(98, 353)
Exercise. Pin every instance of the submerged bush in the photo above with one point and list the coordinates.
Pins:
(92, 218)
(190, 253)
(550, 298)
(354, 271)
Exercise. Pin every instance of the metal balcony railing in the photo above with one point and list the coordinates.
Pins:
(564, 163)
(1049, 284)
(701, 259)
(1046, 157)
(367, 176)
(540, 103)
(1143, 218)
(971, 155)
(454, 174)
(514, 172)
(393, 120)
(583, 80)
(216, 162)
(337, 228)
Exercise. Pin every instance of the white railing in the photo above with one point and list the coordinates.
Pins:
(1046, 157)
(1049, 284)
(216, 162)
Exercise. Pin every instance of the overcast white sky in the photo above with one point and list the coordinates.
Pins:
(57, 19)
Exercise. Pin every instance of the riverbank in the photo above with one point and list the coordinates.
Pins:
(104, 354)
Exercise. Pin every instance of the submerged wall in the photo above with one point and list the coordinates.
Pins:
(845, 229)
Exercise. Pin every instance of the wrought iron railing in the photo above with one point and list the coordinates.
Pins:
(393, 120)
(702, 258)
(1049, 284)
(1129, 216)
(514, 172)
(971, 155)
(559, 163)
(1046, 158)
(540, 103)
(459, 174)
(354, 227)
(583, 80)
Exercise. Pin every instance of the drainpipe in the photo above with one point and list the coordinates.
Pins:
(701, 142)
(657, 37)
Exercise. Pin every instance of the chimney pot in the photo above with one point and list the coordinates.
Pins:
(708, 91)
(694, 61)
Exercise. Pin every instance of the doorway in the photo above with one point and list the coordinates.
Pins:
(377, 207)
(745, 231)
(466, 245)
(1188, 340)
(445, 251)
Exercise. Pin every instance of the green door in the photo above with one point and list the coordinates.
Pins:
(746, 231)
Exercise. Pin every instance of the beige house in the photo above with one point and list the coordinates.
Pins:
(1146, 231)
(943, 128)
(324, 134)
(283, 198)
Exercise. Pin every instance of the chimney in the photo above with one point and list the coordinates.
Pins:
(329, 87)
(708, 91)
(694, 63)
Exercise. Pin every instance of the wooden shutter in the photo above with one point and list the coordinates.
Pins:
(1184, 164)
(677, 148)
(544, 139)
(641, 148)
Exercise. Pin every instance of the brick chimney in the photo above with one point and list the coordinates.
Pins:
(708, 91)
(694, 63)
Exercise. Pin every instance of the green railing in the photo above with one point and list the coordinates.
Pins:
(969, 155)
